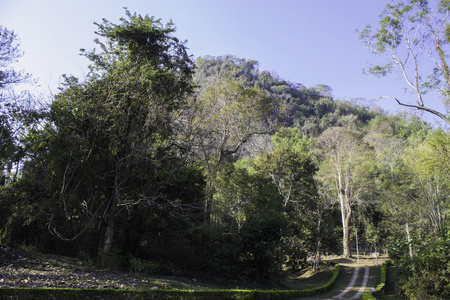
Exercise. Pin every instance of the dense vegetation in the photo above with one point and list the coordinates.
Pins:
(157, 162)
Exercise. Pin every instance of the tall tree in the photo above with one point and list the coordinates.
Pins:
(9, 53)
(9, 104)
(291, 169)
(223, 117)
(412, 37)
(251, 201)
(429, 167)
(344, 170)
(111, 137)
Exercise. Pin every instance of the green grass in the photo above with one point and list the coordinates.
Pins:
(308, 279)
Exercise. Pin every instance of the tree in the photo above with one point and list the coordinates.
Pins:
(345, 172)
(9, 53)
(230, 67)
(111, 148)
(9, 105)
(428, 270)
(251, 201)
(291, 169)
(388, 147)
(290, 166)
(223, 117)
(412, 38)
(429, 166)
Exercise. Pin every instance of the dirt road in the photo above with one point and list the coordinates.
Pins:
(355, 278)
(357, 285)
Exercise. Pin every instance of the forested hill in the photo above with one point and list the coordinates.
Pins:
(159, 163)
(311, 109)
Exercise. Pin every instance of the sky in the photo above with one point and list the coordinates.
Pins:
(304, 41)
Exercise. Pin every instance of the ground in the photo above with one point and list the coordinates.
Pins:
(19, 268)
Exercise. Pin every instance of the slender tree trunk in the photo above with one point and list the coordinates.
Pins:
(357, 247)
(346, 213)
(317, 255)
(107, 234)
(346, 237)
(318, 240)
(106, 243)
(409, 241)
(208, 204)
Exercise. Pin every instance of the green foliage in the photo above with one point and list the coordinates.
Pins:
(291, 170)
(9, 53)
(311, 109)
(429, 268)
(12, 108)
(410, 33)
(227, 67)
(106, 153)
(428, 165)
(141, 266)
(254, 209)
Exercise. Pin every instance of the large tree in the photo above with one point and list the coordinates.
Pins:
(223, 117)
(9, 104)
(9, 53)
(413, 38)
(344, 170)
(291, 169)
(429, 166)
(111, 149)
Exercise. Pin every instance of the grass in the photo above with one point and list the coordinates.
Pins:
(307, 279)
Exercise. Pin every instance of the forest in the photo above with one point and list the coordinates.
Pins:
(216, 167)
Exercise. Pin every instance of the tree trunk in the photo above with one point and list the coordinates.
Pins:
(208, 205)
(346, 213)
(357, 247)
(105, 245)
(346, 237)
(107, 234)
(318, 239)
(409, 241)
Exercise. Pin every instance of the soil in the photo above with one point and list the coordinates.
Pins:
(19, 268)
(362, 261)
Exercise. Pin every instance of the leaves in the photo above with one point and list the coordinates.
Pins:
(411, 38)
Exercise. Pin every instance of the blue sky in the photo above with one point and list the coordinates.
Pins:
(305, 41)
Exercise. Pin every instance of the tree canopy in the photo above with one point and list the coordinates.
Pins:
(413, 38)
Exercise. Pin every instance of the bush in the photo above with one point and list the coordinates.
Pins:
(429, 269)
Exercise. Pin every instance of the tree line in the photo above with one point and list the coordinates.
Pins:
(214, 166)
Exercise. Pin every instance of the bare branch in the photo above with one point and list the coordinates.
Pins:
(420, 107)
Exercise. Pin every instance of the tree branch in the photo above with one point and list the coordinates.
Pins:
(420, 107)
